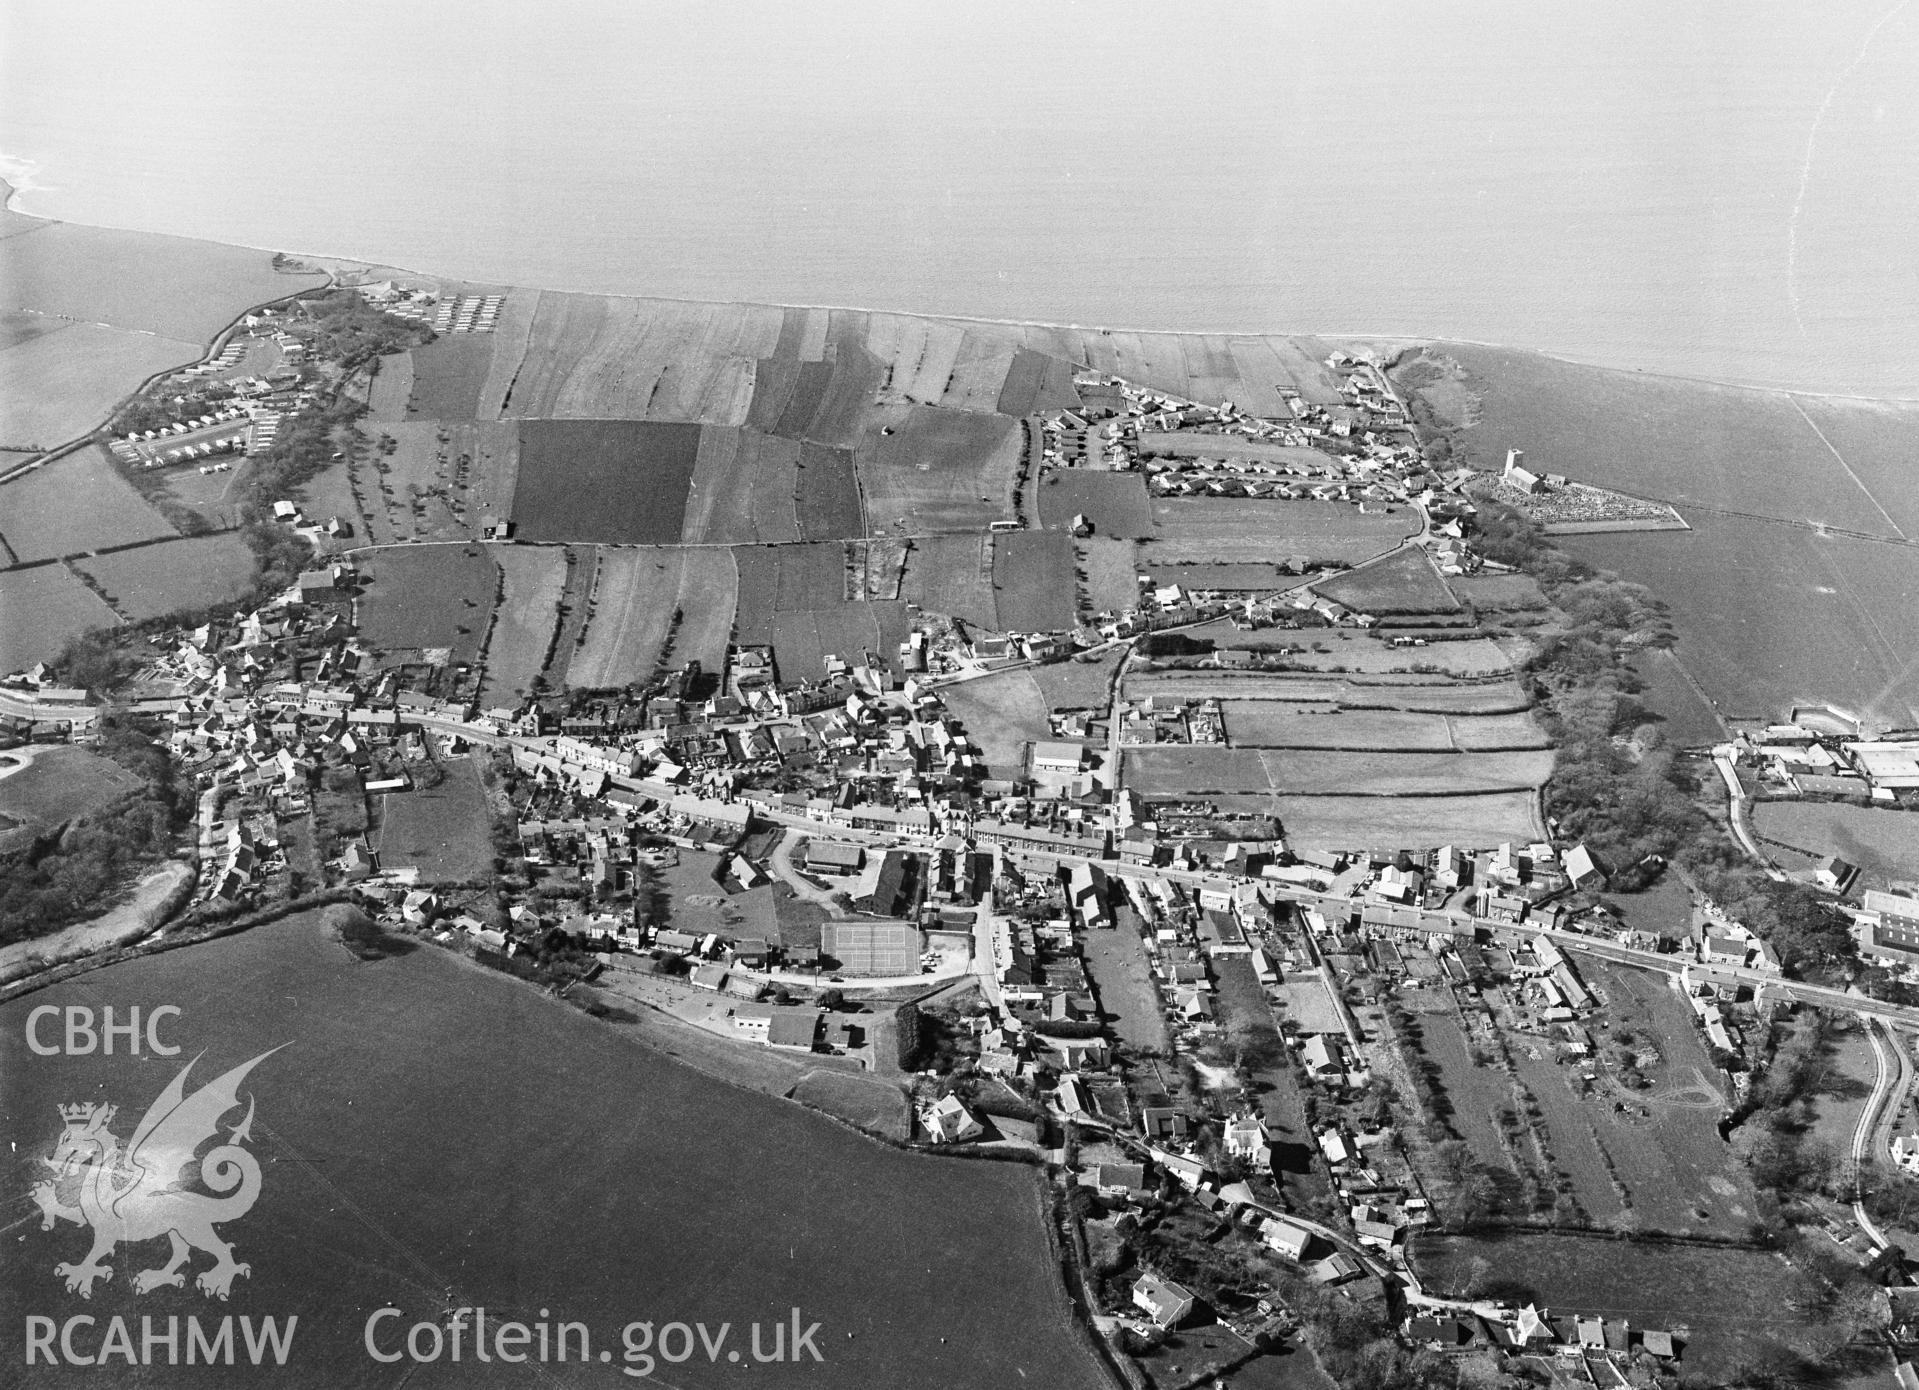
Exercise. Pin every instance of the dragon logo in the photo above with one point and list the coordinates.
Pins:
(141, 1193)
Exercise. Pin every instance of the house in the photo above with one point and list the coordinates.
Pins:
(1288, 1239)
(1071, 1098)
(1320, 1056)
(1167, 1304)
(1121, 1179)
(711, 977)
(1659, 1343)
(950, 1122)
(1834, 874)
(1336, 1268)
(1245, 1137)
(1591, 1333)
(1582, 869)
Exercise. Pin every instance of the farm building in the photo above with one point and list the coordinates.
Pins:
(873, 948)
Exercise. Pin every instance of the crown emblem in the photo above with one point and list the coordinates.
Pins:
(74, 1114)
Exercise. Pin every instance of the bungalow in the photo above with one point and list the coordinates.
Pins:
(1321, 1056)
(1167, 1304)
(1121, 1179)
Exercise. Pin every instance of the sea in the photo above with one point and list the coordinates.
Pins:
(1721, 189)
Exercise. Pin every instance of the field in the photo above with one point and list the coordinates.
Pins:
(1426, 822)
(1685, 718)
(1239, 529)
(1115, 503)
(216, 498)
(1401, 583)
(390, 392)
(191, 573)
(1498, 593)
(952, 575)
(1182, 769)
(1249, 577)
(1677, 441)
(941, 470)
(171, 287)
(1338, 650)
(582, 573)
(744, 490)
(55, 386)
(637, 595)
(1078, 683)
(1283, 724)
(58, 784)
(1771, 616)
(433, 597)
(1733, 1300)
(595, 357)
(1033, 581)
(357, 1142)
(1001, 713)
(436, 480)
(827, 493)
(76, 504)
(40, 610)
(516, 648)
(1884, 843)
(614, 482)
(444, 831)
(448, 376)
(1377, 692)
(1036, 383)
(1112, 574)
(1117, 963)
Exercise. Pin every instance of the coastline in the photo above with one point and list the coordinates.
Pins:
(1397, 337)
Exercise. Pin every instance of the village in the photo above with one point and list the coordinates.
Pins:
(1208, 1029)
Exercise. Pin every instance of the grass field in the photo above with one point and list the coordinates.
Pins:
(952, 575)
(444, 831)
(1339, 650)
(582, 574)
(594, 357)
(637, 595)
(76, 504)
(1001, 713)
(448, 376)
(1115, 503)
(56, 386)
(59, 784)
(41, 609)
(1679, 441)
(1731, 1299)
(1171, 769)
(612, 482)
(827, 495)
(1112, 574)
(1426, 822)
(434, 596)
(1078, 683)
(1036, 383)
(171, 287)
(1122, 973)
(1249, 577)
(850, 388)
(357, 1142)
(1883, 843)
(1771, 615)
(534, 578)
(1238, 529)
(1402, 583)
(942, 470)
(1378, 692)
(985, 359)
(1685, 718)
(803, 638)
(920, 354)
(390, 393)
(1033, 581)
(1286, 724)
(191, 573)
(1188, 445)
(744, 489)
(1497, 593)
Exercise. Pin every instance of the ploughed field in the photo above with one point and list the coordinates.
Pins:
(545, 1161)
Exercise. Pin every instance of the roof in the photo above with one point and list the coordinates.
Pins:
(793, 1027)
(833, 852)
(1054, 751)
